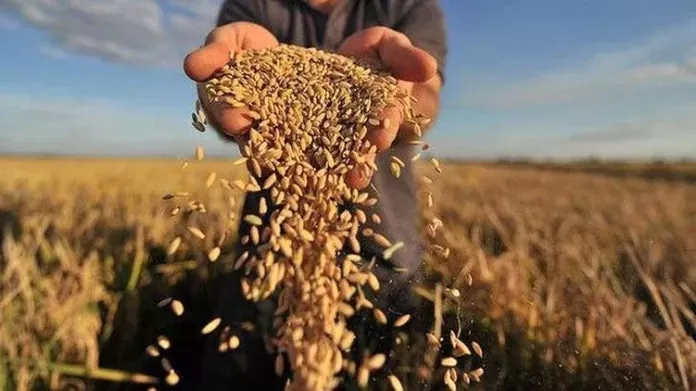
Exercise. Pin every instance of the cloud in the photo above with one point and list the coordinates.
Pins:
(657, 60)
(136, 32)
(53, 52)
(30, 124)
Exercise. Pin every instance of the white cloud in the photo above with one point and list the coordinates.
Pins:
(135, 32)
(655, 61)
(53, 52)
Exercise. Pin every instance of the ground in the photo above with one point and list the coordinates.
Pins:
(582, 277)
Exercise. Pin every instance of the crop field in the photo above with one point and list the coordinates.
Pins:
(568, 279)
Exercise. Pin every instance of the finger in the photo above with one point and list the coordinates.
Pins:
(394, 49)
(230, 122)
(234, 121)
(202, 63)
(383, 135)
(359, 176)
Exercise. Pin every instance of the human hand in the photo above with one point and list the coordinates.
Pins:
(407, 63)
(201, 64)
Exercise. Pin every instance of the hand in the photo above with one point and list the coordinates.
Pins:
(407, 63)
(200, 65)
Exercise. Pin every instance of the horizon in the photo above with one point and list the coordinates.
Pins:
(538, 80)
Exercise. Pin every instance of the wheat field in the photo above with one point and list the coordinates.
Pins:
(568, 280)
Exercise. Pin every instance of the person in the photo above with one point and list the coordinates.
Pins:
(409, 38)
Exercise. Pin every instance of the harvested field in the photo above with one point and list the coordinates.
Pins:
(577, 281)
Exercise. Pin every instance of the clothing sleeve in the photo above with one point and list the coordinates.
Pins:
(424, 24)
(240, 11)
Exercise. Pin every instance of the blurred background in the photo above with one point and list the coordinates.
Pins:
(526, 79)
(568, 139)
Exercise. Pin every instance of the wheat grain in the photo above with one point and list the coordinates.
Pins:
(177, 307)
(211, 326)
(448, 362)
(163, 342)
(213, 254)
(402, 320)
(395, 383)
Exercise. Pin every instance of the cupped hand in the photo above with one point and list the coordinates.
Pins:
(407, 63)
(201, 64)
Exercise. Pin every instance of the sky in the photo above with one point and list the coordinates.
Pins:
(534, 78)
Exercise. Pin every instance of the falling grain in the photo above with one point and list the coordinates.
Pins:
(200, 153)
(402, 320)
(211, 326)
(448, 362)
(213, 254)
(195, 231)
(177, 307)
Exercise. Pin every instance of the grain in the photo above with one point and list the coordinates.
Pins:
(395, 383)
(214, 254)
(380, 317)
(177, 307)
(164, 302)
(172, 378)
(476, 374)
(174, 245)
(253, 220)
(402, 320)
(152, 351)
(448, 362)
(210, 180)
(389, 252)
(233, 342)
(301, 143)
(477, 348)
(195, 231)
(163, 342)
(376, 362)
(199, 153)
(211, 326)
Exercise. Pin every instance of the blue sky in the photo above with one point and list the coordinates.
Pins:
(535, 78)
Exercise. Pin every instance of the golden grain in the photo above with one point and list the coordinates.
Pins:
(395, 383)
(177, 307)
(172, 378)
(389, 252)
(233, 342)
(477, 348)
(174, 245)
(211, 179)
(213, 254)
(195, 231)
(376, 362)
(211, 326)
(152, 351)
(402, 320)
(380, 317)
(448, 362)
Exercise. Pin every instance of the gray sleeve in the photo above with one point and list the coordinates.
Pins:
(424, 24)
(240, 11)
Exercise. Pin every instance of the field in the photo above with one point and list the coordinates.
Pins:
(580, 280)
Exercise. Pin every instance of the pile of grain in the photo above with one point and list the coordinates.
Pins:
(311, 111)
